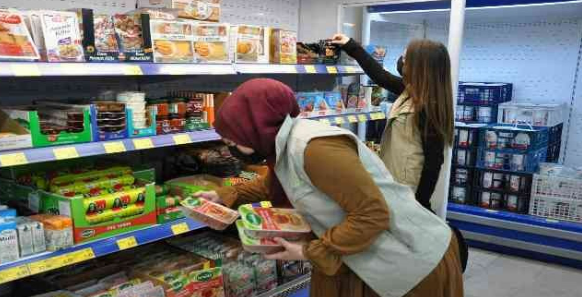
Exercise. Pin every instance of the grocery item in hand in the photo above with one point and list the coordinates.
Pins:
(263, 222)
(254, 244)
(216, 216)
(15, 39)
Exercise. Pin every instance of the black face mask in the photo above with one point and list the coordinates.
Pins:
(253, 158)
(400, 66)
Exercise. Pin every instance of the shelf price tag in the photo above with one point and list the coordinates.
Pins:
(310, 69)
(44, 265)
(81, 255)
(25, 69)
(552, 221)
(352, 119)
(13, 159)
(65, 153)
(182, 139)
(114, 147)
(331, 69)
(266, 204)
(126, 243)
(14, 273)
(178, 229)
(339, 120)
(362, 118)
(132, 70)
(377, 116)
(143, 143)
(325, 121)
(350, 69)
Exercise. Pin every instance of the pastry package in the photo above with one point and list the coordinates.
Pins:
(266, 222)
(133, 34)
(172, 41)
(250, 44)
(216, 216)
(57, 35)
(100, 41)
(15, 40)
(211, 42)
(202, 10)
(283, 46)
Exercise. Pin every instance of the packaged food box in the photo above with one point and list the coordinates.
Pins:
(15, 40)
(250, 44)
(334, 102)
(8, 241)
(12, 134)
(216, 216)
(262, 222)
(254, 244)
(211, 43)
(202, 10)
(330, 52)
(283, 46)
(312, 103)
(58, 230)
(309, 53)
(133, 32)
(57, 35)
(100, 41)
(172, 41)
(168, 208)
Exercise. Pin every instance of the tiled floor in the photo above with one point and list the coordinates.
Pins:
(493, 275)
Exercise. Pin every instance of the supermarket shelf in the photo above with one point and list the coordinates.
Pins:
(295, 288)
(519, 234)
(53, 260)
(54, 153)
(37, 69)
(354, 117)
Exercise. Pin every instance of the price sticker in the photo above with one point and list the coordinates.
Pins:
(178, 229)
(350, 69)
(362, 118)
(126, 243)
(491, 210)
(376, 116)
(13, 159)
(182, 139)
(132, 70)
(65, 153)
(14, 273)
(325, 121)
(339, 120)
(331, 69)
(381, 115)
(266, 204)
(552, 221)
(352, 119)
(143, 143)
(290, 69)
(114, 147)
(81, 255)
(74, 69)
(44, 265)
(25, 69)
(310, 69)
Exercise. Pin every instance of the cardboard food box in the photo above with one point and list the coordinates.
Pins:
(150, 128)
(172, 41)
(15, 40)
(211, 43)
(133, 31)
(202, 10)
(105, 216)
(100, 41)
(50, 126)
(168, 209)
(57, 35)
(283, 46)
(12, 135)
(250, 44)
(266, 222)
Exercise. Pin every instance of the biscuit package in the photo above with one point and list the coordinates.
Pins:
(133, 34)
(250, 44)
(15, 39)
(172, 41)
(100, 41)
(211, 43)
(202, 10)
(57, 35)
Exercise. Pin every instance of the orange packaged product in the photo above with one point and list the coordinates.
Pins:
(216, 216)
(58, 230)
(265, 222)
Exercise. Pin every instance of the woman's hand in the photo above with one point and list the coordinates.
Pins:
(210, 196)
(340, 39)
(293, 251)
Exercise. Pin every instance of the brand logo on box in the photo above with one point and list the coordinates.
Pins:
(10, 19)
(204, 276)
(88, 233)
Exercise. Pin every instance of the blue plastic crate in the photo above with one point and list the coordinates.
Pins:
(467, 135)
(514, 138)
(476, 114)
(507, 182)
(519, 162)
(500, 200)
(484, 93)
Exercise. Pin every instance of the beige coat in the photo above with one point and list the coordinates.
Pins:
(401, 148)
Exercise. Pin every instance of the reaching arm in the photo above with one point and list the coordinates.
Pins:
(254, 191)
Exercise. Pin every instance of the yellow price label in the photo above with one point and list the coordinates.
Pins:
(25, 69)
(45, 265)
(65, 153)
(352, 119)
(362, 118)
(552, 221)
(74, 69)
(132, 70)
(126, 243)
(206, 265)
(81, 255)
(114, 147)
(14, 273)
(377, 116)
(339, 120)
(350, 69)
(266, 204)
(178, 229)
(182, 139)
(310, 69)
(143, 143)
(325, 121)
(491, 211)
(13, 159)
(331, 69)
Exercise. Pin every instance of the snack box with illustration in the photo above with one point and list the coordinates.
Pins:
(15, 40)
(250, 44)
(254, 244)
(133, 33)
(283, 46)
(57, 35)
(51, 126)
(168, 208)
(312, 104)
(12, 135)
(202, 10)
(211, 43)
(150, 125)
(172, 41)
(100, 41)
(216, 216)
(264, 222)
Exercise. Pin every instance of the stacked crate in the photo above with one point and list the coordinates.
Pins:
(463, 162)
(478, 102)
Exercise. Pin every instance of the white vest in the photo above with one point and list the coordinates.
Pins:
(402, 256)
